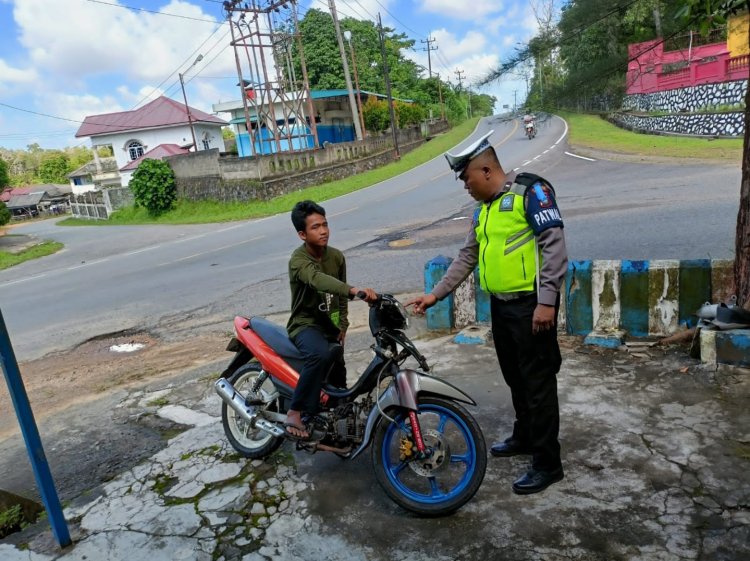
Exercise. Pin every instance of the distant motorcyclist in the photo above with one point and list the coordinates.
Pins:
(529, 122)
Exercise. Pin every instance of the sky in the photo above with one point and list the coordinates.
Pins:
(61, 60)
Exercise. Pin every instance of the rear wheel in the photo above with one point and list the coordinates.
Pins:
(452, 472)
(248, 441)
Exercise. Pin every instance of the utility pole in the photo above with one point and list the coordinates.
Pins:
(388, 87)
(515, 105)
(460, 74)
(348, 37)
(352, 103)
(429, 48)
(440, 94)
(187, 107)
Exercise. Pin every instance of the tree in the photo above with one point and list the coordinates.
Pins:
(323, 59)
(710, 13)
(4, 214)
(54, 167)
(153, 186)
(4, 178)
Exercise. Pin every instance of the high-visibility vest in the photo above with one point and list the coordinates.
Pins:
(508, 254)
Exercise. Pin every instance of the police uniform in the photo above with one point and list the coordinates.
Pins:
(517, 240)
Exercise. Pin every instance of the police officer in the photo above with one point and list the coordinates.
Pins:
(517, 239)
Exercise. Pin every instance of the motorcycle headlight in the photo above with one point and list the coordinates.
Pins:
(404, 314)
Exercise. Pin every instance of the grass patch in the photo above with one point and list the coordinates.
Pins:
(203, 212)
(591, 131)
(11, 520)
(40, 250)
(158, 402)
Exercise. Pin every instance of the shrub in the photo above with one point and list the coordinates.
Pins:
(376, 115)
(410, 113)
(153, 186)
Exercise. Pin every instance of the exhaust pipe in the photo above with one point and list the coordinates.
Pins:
(234, 399)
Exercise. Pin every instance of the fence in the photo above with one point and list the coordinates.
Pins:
(99, 205)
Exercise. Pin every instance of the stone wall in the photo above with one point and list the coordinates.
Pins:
(206, 175)
(100, 204)
(689, 100)
(698, 124)
(118, 197)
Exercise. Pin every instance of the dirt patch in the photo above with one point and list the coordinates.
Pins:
(61, 380)
(16, 243)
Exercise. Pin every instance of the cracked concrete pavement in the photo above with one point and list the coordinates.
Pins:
(656, 450)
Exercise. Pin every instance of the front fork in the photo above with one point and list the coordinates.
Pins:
(416, 431)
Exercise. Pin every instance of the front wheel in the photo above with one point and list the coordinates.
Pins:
(452, 471)
(249, 441)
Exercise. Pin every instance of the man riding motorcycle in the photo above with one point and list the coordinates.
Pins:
(529, 122)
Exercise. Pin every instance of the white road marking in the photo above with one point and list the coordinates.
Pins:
(214, 250)
(581, 157)
(343, 212)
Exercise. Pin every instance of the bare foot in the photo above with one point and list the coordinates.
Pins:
(294, 427)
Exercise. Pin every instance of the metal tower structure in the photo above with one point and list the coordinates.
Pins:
(279, 113)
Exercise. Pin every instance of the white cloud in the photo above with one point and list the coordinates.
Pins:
(454, 48)
(77, 38)
(478, 9)
(16, 76)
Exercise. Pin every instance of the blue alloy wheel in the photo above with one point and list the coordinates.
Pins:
(451, 473)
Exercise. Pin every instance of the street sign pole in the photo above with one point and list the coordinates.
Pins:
(31, 437)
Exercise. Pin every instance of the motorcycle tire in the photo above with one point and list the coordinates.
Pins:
(248, 442)
(433, 487)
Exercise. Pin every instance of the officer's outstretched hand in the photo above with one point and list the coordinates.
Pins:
(421, 303)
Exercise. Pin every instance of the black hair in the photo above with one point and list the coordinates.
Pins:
(302, 210)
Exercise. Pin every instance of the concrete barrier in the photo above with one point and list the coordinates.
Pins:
(603, 300)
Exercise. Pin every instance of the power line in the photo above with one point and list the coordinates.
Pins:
(398, 20)
(149, 11)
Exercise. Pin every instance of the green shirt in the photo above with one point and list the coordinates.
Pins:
(320, 295)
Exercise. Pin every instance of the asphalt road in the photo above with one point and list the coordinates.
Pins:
(172, 278)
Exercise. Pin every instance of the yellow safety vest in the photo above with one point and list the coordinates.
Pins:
(507, 246)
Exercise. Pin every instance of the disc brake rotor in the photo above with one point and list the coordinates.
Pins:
(440, 453)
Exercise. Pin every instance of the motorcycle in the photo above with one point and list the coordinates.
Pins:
(428, 452)
(530, 130)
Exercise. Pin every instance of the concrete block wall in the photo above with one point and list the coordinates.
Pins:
(641, 298)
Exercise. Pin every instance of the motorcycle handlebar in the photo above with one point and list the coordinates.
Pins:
(361, 295)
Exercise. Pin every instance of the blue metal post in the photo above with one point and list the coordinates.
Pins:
(440, 316)
(31, 437)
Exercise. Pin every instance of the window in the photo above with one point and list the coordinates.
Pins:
(135, 149)
(206, 144)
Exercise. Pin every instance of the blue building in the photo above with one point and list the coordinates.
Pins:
(332, 114)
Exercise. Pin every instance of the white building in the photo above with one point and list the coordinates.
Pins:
(133, 134)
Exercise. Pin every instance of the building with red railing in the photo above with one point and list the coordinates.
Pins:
(690, 60)
(691, 85)
(652, 69)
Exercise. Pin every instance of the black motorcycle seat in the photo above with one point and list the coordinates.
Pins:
(275, 337)
(278, 339)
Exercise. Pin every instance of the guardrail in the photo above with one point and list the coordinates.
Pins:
(642, 298)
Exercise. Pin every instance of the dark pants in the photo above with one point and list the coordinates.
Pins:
(529, 364)
(319, 357)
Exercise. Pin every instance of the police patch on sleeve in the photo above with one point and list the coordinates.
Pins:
(541, 210)
(475, 218)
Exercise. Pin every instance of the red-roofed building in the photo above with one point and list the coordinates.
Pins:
(162, 122)
(158, 153)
